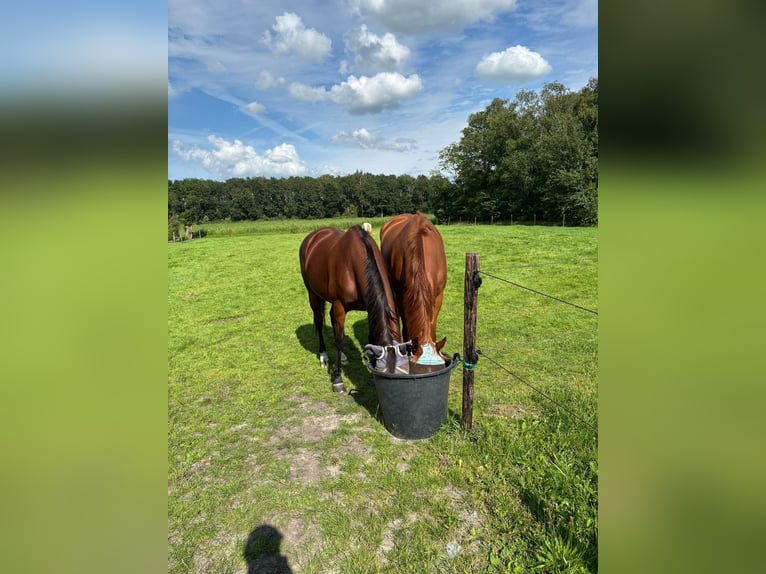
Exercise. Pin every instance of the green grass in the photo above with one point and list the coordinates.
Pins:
(303, 226)
(256, 437)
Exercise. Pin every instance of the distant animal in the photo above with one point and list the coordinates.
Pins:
(413, 252)
(347, 271)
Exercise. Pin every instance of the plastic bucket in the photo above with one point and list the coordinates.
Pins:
(414, 405)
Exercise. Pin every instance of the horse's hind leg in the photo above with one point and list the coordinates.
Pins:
(338, 317)
(317, 306)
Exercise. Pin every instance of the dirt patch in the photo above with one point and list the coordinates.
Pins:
(253, 467)
(200, 471)
(387, 544)
(513, 412)
(306, 405)
(238, 427)
(470, 518)
(302, 536)
(312, 428)
(305, 465)
(213, 554)
(201, 468)
(355, 446)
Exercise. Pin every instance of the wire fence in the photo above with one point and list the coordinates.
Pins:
(556, 336)
(546, 264)
(534, 388)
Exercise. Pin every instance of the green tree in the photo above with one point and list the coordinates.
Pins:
(535, 157)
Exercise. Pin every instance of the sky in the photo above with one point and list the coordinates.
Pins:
(311, 87)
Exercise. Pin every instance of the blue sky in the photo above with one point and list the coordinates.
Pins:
(308, 87)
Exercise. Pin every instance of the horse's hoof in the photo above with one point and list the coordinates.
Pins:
(324, 360)
(343, 359)
(338, 388)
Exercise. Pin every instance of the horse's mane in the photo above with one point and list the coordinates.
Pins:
(378, 311)
(418, 297)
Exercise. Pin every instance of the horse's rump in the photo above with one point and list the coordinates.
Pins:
(327, 257)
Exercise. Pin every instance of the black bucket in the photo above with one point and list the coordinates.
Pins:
(414, 405)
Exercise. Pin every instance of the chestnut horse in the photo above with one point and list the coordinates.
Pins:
(346, 270)
(413, 251)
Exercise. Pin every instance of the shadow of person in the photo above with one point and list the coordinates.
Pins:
(262, 552)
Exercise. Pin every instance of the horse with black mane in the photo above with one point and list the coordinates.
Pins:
(347, 271)
(413, 251)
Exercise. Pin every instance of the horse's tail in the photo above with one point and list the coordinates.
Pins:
(379, 313)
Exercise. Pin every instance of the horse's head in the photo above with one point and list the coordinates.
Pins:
(391, 358)
(429, 353)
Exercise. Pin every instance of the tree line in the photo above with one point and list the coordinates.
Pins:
(535, 158)
(253, 198)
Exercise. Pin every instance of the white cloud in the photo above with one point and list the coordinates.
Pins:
(516, 64)
(364, 139)
(412, 16)
(364, 94)
(266, 81)
(235, 159)
(255, 108)
(372, 52)
(307, 93)
(292, 37)
(377, 93)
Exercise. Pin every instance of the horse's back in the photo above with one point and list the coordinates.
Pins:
(391, 230)
(405, 227)
(402, 234)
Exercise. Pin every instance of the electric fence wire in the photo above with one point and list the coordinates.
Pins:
(538, 292)
(526, 265)
(523, 381)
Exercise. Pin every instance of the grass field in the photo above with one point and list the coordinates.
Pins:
(276, 226)
(266, 466)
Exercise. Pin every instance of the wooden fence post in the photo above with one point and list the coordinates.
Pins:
(472, 282)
